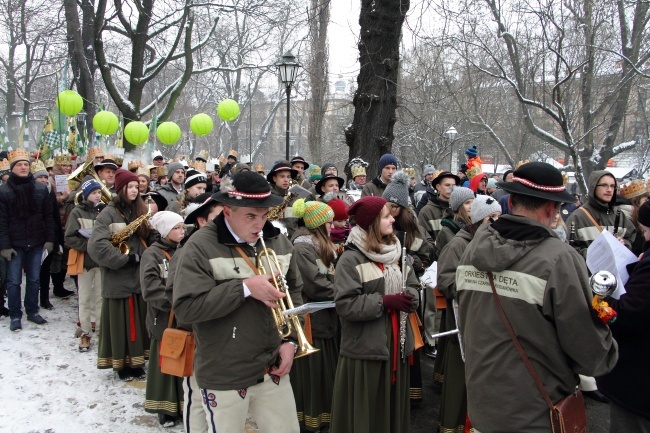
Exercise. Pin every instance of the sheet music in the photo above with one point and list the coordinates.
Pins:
(606, 253)
(310, 308)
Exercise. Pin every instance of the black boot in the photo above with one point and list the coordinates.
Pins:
(45, 303)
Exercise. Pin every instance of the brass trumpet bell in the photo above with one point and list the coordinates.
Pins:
(603, 283)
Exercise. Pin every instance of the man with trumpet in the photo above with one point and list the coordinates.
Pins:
(241, 360)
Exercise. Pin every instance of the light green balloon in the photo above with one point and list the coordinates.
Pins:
(168, 133)
(136, 133)
(69, 102)
(228, 110)
(105, 122)
(201, 124)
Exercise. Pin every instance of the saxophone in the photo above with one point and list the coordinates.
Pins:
(119, 239)
(277, 212)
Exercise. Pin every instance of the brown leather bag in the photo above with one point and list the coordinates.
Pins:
(567, 415)
(177, 351)
(75, 262)
(416, 329)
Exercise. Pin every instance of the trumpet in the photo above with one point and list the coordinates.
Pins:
(284, 323)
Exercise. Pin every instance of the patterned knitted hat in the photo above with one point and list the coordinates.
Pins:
(340, 209)
(313, 213)
(459, 195)
(366, 210)
(397, 191)
(89, 186)
(194, 177)
(472, 152)
(483, 206)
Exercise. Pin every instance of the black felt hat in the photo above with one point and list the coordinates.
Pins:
(249, 190)
(443, 175)
(319, 185)
(157, 198)
(280, 166)
(106, 163)
(200, 203)
(301, 160)
(538, 179)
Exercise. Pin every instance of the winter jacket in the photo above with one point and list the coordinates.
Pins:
(169, 286)
(318, 284)
(499, 193)
(82, 216)
(603, 213)
(449, 229)
(447, 264)
(374, 187)
(543, 286)
(419, 190)
(287, 218)
(120, 278)
(421, 249)
(358, 287)
(169, 192)
(154, 269)
(431, 215)
(627, 384)
(30, 232)
(236, 336)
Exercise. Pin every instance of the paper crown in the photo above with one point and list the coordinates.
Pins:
(200, 166)
(119, 159)
(410, 171)
(474, 171)
(520, 163)
(4, 165)
(634, 189)
(134, 165)
(162, 171)
(203, 155)
(37, 166)
(358, 170)
(94, 152)
(18, 155)
(49, 163)
(259, 168)
(142, 171)
(63, 159)
(234, 153)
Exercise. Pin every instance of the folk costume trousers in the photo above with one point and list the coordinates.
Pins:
(90, 299)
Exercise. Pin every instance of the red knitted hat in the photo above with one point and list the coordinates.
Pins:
(123, 177)
(340, 209)
(366, 210)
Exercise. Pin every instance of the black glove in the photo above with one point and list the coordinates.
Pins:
(134, 259)
(398, 302)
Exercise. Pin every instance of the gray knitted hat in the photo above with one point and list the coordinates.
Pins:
(173, 166)
(483, 206)
(428, 169)
(397, 191)
(459, 195)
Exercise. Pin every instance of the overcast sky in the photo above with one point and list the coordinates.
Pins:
(343, 32)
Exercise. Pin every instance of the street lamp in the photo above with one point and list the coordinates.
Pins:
(288, 69)
(451, 136)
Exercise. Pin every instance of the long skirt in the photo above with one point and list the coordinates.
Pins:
(164, 392)
(312, 380)
(453, 398)
(123, 339)
(365, 400)
(441, 346)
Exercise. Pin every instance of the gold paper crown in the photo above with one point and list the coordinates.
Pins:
(94, 152)
(473, 172)
(141, 171)
(520, 163)
(222, 160)
(410, 172)
(18, 155)
(565, 178)
(4, 165)
(634, 189)
(134, 165)
(234, 153)
(49, 163)
(358, 170)
(204, 155)
(37, 166)
(200, 166)
(119, 159)
(63, 159)
(259, 168)
(162, 171)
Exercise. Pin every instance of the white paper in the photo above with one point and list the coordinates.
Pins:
(300, 191)
(44, 255)
(61, 182)
(86, 233)
(310, 308)
(606, 253)
(430, 277)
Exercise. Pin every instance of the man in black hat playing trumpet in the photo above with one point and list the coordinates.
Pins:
(241, 361)
(543, 286)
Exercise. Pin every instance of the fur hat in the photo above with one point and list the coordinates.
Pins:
(313, 213)
(387, 159)
(165, 221)
(483, 206)
(249, 189)
(459, 195)
(123, 177)
(366, 210)
(397, 190)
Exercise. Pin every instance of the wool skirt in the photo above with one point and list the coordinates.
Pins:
(123, 339)
(453, 397)
(164, 392)
(441, 347)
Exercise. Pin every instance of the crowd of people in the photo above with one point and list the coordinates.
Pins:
(221, 253)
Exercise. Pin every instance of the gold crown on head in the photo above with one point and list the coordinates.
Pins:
(134, 165)
(118, 158)
(203, 155)
(141, 171)
(63, 159)
(162, 171)
(410, 171)
(200, 166)
(259, 168)
(633, 189)
(18, 155)
(520, 163)
(4, 165)
(94, 152)
(37, 166)
(233, 153)
(358, 170)
(49, 163)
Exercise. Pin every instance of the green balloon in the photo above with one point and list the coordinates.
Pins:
(136, 133)
(168, 133)
(69, 102)
(106, 123)
(228, 110)
(201, 124)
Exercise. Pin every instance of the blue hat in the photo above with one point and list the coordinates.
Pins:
(472, 152)
(387, 159)
(89, 186)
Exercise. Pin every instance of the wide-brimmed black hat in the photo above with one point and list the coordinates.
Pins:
(319, 185)
(157, 198)
(444, 174)
(281, 166)
(300, 159)
(250, 190)
(202, 200)
(538, 179)
(106, 163)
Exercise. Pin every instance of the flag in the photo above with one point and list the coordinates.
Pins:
(118, 141)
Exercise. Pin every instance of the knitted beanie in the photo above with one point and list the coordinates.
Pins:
(644, 215)
(194, 177)
(123, 177)
(492, 183)
(459, 195)
(313, 213)
(386, 159)
(397, 190)
(89, 186)
(165, 221)
(472, 152)
(366, 210)
(173, 166)
(340, 209)
(428, 169)
(483, 206)
(326, 167)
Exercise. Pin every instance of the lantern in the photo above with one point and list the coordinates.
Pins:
(228, 110)
(105, 122)
(168, 133)
(69, 102)
(136, 133)
(201, 124)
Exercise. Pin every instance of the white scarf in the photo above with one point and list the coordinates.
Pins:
(388, 256)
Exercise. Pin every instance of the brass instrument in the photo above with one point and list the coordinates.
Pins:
(120, 238)
(603, 283)
(284, 323)
(77, 176)
(277, 212)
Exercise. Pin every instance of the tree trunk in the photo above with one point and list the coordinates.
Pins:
(319, 14)
(375, 101)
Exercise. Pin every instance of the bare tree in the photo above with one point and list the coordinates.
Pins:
(319, 16)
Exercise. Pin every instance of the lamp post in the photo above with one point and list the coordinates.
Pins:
(288, 69)
(451, 136)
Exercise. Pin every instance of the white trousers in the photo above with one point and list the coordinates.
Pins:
(90, 299)
(194, 417)
(271, 403)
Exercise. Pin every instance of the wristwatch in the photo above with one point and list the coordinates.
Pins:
(294, 344)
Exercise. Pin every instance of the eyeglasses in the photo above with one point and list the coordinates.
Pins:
(606, 185)
(393, 206)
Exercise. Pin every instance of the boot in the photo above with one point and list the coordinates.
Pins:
(84, 344)
(45, 303)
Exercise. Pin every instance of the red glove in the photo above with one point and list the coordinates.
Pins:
(398, 302)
